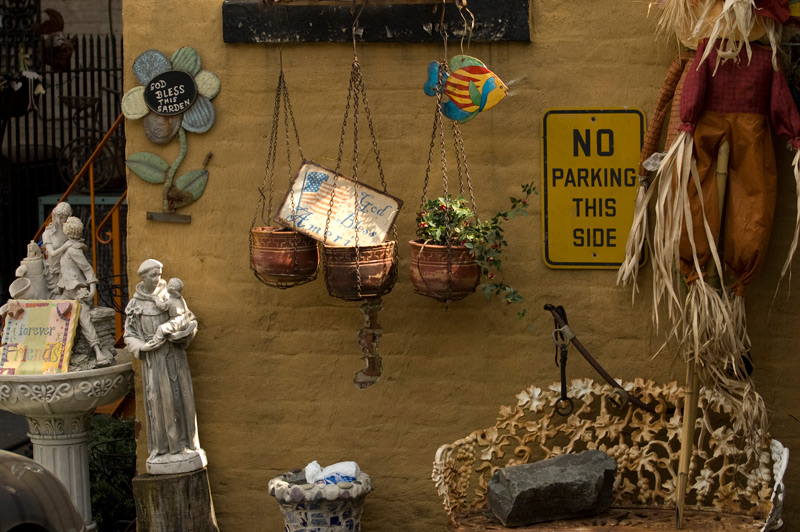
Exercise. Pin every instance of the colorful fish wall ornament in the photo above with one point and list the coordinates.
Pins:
(470, 87)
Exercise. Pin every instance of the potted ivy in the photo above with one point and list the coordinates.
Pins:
(19, 89)
(455, 249)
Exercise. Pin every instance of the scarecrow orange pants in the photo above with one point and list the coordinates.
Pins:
(745, 223)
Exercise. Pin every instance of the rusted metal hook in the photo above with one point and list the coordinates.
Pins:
(619, 394)
(355, 25)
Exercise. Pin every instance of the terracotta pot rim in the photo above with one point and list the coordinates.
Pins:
(388, 243)
(420, 243)
(274, 229)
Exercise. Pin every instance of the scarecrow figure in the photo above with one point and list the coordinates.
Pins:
(716, 187)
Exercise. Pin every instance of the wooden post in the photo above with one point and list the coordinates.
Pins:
(166, 503)
(714, 278)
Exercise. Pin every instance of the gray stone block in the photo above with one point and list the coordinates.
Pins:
(566, 486)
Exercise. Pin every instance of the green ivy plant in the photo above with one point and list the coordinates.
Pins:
(450, 221)
(112, 465)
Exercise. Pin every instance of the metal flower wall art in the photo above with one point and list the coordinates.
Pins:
(174, 97)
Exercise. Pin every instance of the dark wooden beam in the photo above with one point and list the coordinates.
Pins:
(385, 21)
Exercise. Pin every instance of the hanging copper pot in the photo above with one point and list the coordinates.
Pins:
(430, 275)
(282, 257)
(369, 273)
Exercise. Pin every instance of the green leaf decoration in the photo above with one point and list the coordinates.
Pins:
(474, 93)
(148, 166)
(188, 188)
(461, 61)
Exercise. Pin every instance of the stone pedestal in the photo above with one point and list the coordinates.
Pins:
(60, 443)
(59, 409)
(166, 503)
(171, 464)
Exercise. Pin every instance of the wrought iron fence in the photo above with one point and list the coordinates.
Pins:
(43, 146)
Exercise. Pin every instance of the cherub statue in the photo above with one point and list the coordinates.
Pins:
(77, 281)
(182, 322)
(53, 240)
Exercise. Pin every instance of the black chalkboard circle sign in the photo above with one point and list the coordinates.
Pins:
(170, 93)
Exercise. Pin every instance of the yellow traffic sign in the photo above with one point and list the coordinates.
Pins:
(590, 161)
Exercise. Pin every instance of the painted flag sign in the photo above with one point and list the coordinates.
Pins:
(320, 200)
(317, 194)
(38, 336)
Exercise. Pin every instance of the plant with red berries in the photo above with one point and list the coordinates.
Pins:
(446, 221)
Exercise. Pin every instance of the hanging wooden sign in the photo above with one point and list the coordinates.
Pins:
(38, 336)
(356, 211)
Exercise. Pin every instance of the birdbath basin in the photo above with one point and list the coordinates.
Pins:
(59, 410)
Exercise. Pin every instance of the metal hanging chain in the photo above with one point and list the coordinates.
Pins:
(462, 155)
(269, 168)
(437, 123)
(265, 202)
(281, 98)
(341, 151)
(374, 139)
(358, 82)
(288, 114)
(458, 159)
(269, 165)
(355, 94)
(447, 221)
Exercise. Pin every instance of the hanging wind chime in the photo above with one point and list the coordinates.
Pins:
(359, 265)
(281, 257)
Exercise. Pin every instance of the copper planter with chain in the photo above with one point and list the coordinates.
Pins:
(445, 274)
(366, 272)
(281, 257)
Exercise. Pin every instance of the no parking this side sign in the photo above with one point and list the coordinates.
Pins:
(590, 160)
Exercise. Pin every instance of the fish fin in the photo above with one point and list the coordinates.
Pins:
(453, 112)
(461, 61)
(488, 87)
(469, 117)
(433, 79)
(475, 94)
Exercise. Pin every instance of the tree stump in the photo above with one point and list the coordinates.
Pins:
(166, 503)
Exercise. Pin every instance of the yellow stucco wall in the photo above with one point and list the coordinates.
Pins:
(272, 370)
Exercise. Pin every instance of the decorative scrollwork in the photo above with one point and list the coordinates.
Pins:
(5, 393)
(46, 426)
(726, 473)
(18, 15)
(100, 387)
(45, 393)
(54, 427)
